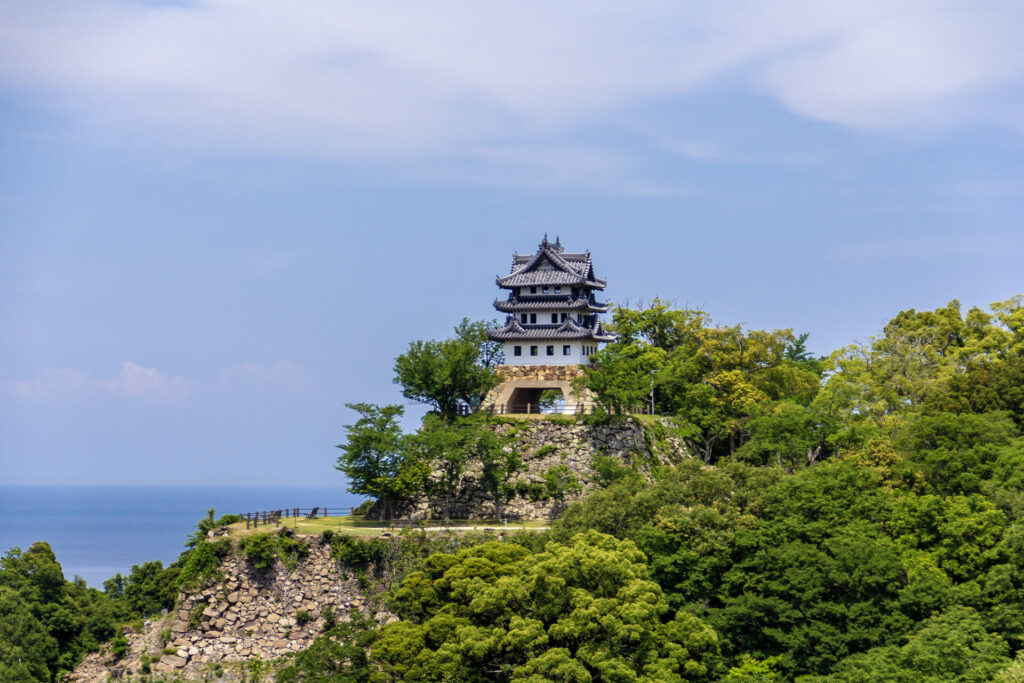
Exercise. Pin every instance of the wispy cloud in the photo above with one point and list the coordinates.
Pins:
(146, 383)
(135, 382)
(496, 84)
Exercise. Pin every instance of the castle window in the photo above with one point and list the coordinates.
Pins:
(522, 318)
(533, 350)
(554, 317)
(544, 290)
(563, 317)
(558, 290)
(551, 350)
(566, 350)
(533, 290)
(517, 350)
(533, 317)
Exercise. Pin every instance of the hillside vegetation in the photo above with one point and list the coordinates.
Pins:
(851, 517)
(855, 517)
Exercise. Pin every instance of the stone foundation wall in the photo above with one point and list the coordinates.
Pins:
(249, 614)
(565, 373)
(548, 442)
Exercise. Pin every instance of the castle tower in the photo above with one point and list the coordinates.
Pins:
(552, 326)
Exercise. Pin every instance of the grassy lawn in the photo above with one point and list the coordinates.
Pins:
(357, 526)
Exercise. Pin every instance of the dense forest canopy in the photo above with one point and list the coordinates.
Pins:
(852, 517)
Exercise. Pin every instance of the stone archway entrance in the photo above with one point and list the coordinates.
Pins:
(527, 397)
(536, 400)
(523, 387)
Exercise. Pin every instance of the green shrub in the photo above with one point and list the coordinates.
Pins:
(609, 470)
(363, 508)
(208, 524)
(530, 489)
(119, 646)
(195, 616)
(202, 562)
(546, 449)
(328, 617)
(259, 550)
(600, 417)
(356, 552)
(290, 549)
(302, 617)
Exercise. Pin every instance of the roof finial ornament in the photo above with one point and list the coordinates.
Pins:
(558, 243)
(544, 242)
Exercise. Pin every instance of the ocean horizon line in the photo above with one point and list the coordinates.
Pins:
(179, 486)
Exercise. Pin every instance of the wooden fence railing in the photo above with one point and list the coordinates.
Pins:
(274, 517)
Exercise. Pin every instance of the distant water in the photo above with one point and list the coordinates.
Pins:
(98, 531)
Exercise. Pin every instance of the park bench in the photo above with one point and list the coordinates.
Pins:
(312, 514)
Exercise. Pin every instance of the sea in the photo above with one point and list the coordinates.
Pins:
(99, 531)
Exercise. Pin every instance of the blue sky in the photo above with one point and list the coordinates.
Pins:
(220, 221)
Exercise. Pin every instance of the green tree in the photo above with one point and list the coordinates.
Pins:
(500, 462)
(46, 623)
(146, 590)
(377, 459)
(952, 647)
(489, 353)
(449, 374)
(787, 434)
(582, 611)
(448, 448)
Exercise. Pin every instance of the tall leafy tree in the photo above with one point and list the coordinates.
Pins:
(376, 457)
(581, 611)
(451, 373)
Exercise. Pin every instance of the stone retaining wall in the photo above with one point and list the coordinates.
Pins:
(550, 442)
(249, 614)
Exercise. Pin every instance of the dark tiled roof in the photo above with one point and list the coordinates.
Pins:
(551, 303)
(551, 265)
(570, 329)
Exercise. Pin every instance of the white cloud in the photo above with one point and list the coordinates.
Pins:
(146, 383)
(926, 66)
(485, 81)
(60, 383)
(136, 382)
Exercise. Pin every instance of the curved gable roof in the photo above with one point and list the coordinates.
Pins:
(565, 268)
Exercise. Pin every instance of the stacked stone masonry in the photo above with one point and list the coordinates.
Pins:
(249, 614)
(541, 376)
(548, 442)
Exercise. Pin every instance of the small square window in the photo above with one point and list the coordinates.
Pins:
(533, 290)
(544, 290)
(554, 317)
(533, 350)
(551, 350)
(566, 350)
(563, 317)
(533, 317)
(522, 317)
(558, 290)
(517, 350)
